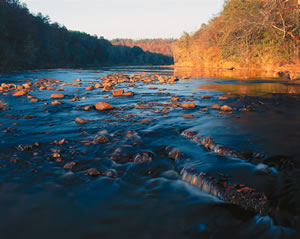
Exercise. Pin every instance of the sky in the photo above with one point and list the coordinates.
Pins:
(136, 19)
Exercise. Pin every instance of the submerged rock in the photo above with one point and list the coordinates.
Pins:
(93, 172)
(215, 106)
(143, 157)
(188, 116)
(206, 97)
(70, 165)
(174, 154)
(101, 140)
(82, 121)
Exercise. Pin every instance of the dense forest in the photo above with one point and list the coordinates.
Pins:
(160, 46)
(252, 33)
(31, 41)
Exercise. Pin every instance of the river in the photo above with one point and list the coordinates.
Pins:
(41, 197)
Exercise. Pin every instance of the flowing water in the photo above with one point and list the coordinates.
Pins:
(41, 198)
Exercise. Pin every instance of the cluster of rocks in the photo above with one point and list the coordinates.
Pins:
(238, 194)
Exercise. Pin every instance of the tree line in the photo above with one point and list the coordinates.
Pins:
(245, 33)
(160, 46)
(30, 41)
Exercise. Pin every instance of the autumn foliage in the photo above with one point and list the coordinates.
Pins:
(160, 46)
(245, 33)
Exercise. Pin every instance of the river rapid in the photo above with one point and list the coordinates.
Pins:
(119, 174)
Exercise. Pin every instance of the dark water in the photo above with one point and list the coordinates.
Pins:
(41, 199)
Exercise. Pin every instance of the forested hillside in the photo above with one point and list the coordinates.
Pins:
(253, 33)
(28, 41)
(160, 46)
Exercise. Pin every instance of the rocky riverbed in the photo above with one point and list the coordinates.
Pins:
(141, 152)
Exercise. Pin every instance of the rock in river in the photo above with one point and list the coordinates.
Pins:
(226, 108)
(82, 121)
(20, 93)
(57, 96)
(118, 93)
(101, 140)
(89, 87)
(103, 106)
(56, 102)
(188, 105)
(93, 172)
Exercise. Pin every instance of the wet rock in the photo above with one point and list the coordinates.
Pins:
(206, 97)
(117, 93)
(29, 116)
(22, 147)
(238, 194)
(42, 88)
(19, 87)
(143, 157)
(187, 105)
(34, 100)
(27, 85)
(82, 121)
(103, 106)
(93, 172)
(89, 87)
(56, 102)
(70, 165)
(174, 154)
(56, 155)
(226, 108)
(20, 93)
(215, 106)
(188, 116)
(98, 85)
(205, 109)
(77, 80)
(129, 93)
(223, 98)
(88, 108)
(189, 134)
(101, 140)
(57, 96)
(111, 173)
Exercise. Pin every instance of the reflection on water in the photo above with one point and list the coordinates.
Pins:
(223, 73)
(253, 89)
